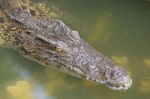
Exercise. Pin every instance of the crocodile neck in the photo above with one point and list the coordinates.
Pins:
(8, 30)
(10, 19)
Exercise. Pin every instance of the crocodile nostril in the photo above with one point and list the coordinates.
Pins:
(123, 85)
(117, 86)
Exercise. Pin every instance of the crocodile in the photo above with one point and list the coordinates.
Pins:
(50, 42)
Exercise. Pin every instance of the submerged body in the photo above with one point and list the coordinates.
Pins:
(50, 42)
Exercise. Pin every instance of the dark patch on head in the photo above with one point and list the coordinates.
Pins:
(2, 20)
(24, 7)
(83, 76)
(117, 86)
(33, 12)
(123, 85)
(91, 79)
(19, 9)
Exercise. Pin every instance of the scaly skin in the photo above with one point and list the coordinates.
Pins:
(50, 42)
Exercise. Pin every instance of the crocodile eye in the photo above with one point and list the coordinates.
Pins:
(75, 34)
(60, 28)
(118, 73)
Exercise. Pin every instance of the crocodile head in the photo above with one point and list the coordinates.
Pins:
(60, 44)
(114, 77)
(117, 79)
(84, 56)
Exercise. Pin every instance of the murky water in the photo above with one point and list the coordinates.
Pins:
(119, 29)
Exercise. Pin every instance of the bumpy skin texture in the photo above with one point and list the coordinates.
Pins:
(50, 42)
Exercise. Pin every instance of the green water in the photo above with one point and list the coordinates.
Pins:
(119, 29)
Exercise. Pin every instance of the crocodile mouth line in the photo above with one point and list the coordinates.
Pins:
(123, 86)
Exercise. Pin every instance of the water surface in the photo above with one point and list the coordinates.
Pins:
(118, 29)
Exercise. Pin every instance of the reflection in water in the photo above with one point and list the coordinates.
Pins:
(24, 90)
(147, 62)
(57, 82)
(100, 31)
(145, 86)
(40, 93)
(122, 61)
(21, 90)
(24, 74)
